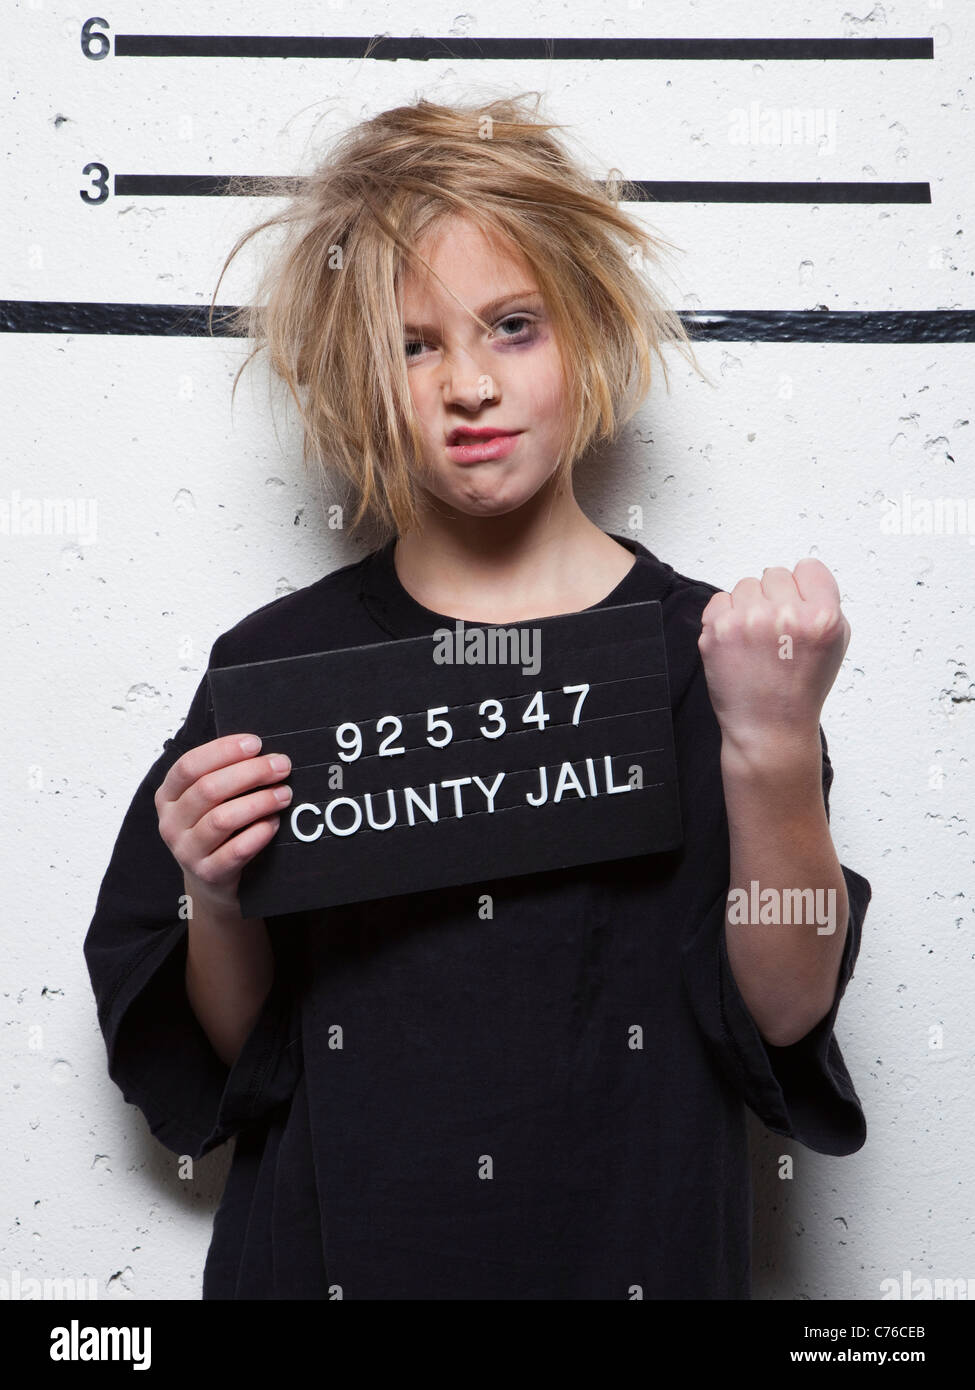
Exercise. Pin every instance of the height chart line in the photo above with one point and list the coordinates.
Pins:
(388, 48)
(733, 325)
(650, 190)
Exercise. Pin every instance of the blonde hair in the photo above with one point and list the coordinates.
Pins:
(326, 307)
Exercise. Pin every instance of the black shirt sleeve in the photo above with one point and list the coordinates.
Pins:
(135, 950)
(803, 1091)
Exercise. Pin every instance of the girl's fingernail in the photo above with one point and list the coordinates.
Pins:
(282, 794)
(250, 744)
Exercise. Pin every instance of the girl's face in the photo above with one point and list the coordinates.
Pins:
(462, 378)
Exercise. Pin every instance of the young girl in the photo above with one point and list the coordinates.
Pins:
(546, 1101)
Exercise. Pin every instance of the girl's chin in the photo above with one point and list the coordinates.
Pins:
(487, 505)
(485, 495)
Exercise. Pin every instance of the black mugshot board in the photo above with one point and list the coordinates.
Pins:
(472, 754)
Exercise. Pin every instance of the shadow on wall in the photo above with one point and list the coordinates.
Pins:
(191, 1199)
(792, 1240)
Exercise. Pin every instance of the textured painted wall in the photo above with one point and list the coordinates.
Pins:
(187, 516)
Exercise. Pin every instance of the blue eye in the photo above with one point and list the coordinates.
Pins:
(515, 318)
(511, 319)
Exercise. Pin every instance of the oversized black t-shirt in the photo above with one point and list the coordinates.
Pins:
(526, 1088)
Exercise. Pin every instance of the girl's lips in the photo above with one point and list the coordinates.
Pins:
(476, 450)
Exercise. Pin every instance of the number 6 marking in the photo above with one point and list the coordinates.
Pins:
(91, 37)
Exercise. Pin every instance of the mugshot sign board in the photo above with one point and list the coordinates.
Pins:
(471, 754)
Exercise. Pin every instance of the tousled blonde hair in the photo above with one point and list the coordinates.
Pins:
(326, 306)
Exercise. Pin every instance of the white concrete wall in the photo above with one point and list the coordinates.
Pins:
(202, 516)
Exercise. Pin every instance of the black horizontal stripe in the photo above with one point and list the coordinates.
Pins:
(832, 325)
(735, 191)
(390, 48)
(733, 325)
(651, 190)
(189, 185)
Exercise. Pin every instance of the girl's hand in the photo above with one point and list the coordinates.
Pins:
(201, 807)
(771, 650)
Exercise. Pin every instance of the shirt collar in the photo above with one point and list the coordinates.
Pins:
(398, 612)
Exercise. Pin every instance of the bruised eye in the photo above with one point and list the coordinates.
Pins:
(521, 325)
(512, 319)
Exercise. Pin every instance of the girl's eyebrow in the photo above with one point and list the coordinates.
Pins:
(487, 311)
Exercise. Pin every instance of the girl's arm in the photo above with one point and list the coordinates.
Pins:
(229, 972)
(771, 649)
(213, 824)
(785, 970)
